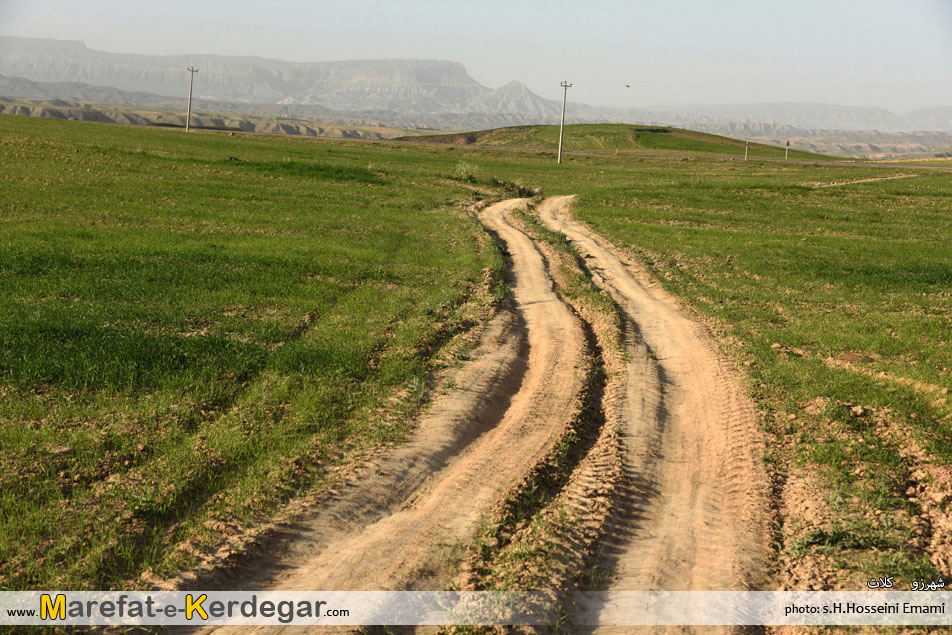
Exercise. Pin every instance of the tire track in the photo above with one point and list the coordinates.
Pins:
(695, 517)
(549, 542)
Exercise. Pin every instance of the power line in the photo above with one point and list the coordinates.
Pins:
(565, 89)
(191, 79)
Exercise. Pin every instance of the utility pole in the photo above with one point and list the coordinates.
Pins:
(746, 147)
(191, 80)
(565, 89)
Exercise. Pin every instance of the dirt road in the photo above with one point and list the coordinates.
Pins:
(697, 518)
(690, 508)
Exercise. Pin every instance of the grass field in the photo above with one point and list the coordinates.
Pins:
(191, 325)
(195, 327)
(611, 137)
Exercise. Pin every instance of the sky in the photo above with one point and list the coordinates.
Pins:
(893, 54)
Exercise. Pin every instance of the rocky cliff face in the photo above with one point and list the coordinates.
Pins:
(410, 85)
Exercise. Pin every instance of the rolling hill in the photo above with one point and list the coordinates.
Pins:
(610, 138)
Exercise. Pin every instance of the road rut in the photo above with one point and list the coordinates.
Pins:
(695, 518)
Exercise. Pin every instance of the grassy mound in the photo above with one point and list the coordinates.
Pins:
(611, 137)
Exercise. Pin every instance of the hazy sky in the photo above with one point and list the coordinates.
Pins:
(895, 54)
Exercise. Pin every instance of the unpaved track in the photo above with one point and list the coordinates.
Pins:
(690, 514)
(880, 178)
(696, 517)
(384, 530)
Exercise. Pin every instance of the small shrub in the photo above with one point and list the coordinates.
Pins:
(465, 172)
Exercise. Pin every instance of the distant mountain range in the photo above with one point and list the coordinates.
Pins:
(406, 93)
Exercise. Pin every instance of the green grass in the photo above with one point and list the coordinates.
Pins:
(621, 137)
(193, 326)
